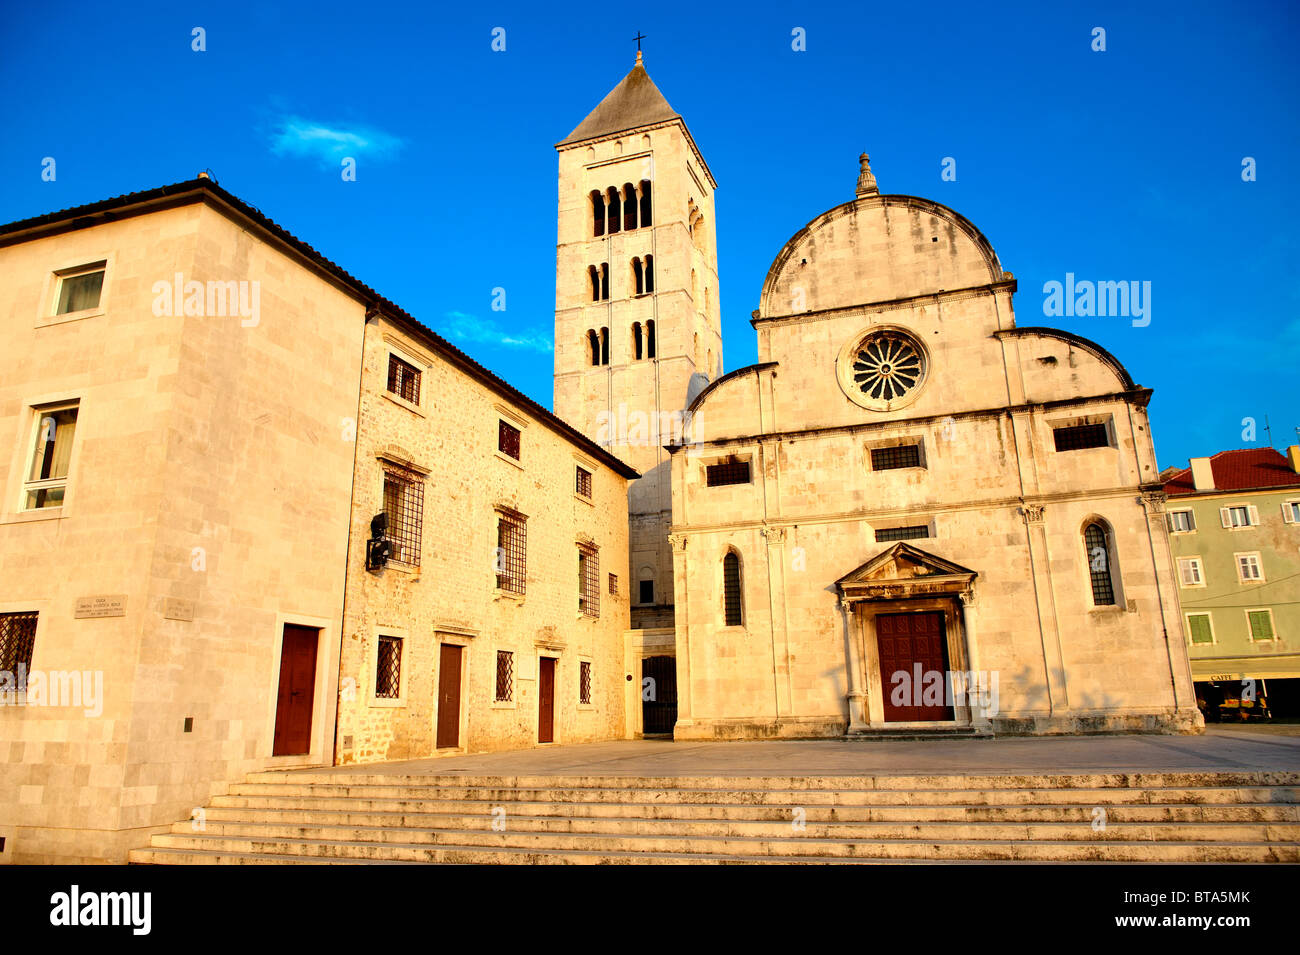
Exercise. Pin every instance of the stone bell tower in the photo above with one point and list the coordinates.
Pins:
(637, 322)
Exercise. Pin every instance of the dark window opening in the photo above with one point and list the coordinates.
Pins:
(645, 203)
(638, 277)
(583, 482)
(728, 472)
(604, 281)
(910, 532)
(588, 581)
(629, 207)
(636, 340)
(388, 668)
(615, 212)
(594, 276)
(508, 439)
(505, 688)
(403, 379)
(613, 584)
(404, 508)
(604, 346)
(903, 456)
(1097, 545)
(584, 682)
(17, 640)
(1078, 437)
(649, 274)
(731, 589)
(650, 338)
(646, 594)
(512, 550)
(593, 343)
(597, 214)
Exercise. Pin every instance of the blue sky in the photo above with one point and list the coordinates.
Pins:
(1116, 165)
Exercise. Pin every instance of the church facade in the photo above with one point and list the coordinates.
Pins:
(911, 514)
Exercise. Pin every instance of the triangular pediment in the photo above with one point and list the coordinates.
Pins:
(907, 567)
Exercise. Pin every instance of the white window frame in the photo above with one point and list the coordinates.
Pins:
(1197, 565)
(38, 412)
(1191, 519)
(49, 302)
(1259, 565)
(1291, 511)
(403, 672)
(1272, 624)
(1209, 617)
(1252, 516)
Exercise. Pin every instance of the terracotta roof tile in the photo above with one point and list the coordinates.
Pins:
(1240, 470)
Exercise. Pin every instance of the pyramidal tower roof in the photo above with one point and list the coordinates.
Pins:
(635, 101)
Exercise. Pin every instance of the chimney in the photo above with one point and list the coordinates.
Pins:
(1293, 457)
(1202, 474)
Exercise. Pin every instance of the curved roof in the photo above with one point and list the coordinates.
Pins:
(1079, 341)
(852, 207)
(708, 389)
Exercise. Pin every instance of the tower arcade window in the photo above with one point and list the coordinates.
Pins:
(636, 341)
(615, 211)
(629, 207)
(645, 204)
(597, 214)
(650, 338)
(649, 273)
(638, 278)
(593, 346)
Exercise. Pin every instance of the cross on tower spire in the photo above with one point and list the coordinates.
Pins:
(639, 37)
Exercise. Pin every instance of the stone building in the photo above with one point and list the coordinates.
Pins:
(1234, 523)
(201, 416)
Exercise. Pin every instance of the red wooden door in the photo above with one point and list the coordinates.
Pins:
(449, 696)
(297, 693)
(546, 700)
(914, 644)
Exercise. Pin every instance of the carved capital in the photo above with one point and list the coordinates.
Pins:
(678, 542)
(967, 597)
(1154, 501)
(774, 535)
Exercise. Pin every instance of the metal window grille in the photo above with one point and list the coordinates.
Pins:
(388, 668)
(404, 505)
(728, 472)
(584, 682)
(731, 589)
(647, 592)
(508, 440)
(505, 691)
(910, 532)
(17, 638)
(403, 379)
(1098, 554)
(584, 482)
(613, 584)
(902, 456)
(512, 549)
(1080, 436)
(588, 581)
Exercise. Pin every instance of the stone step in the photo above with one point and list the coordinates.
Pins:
(1234, 795)
(530, 847)
(1183, 780)
(478, 831)
(401, 813)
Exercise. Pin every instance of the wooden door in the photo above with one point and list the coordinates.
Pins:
(297, 692)
(658, 695)
(449, 696)
(915, 644)
(546, 700)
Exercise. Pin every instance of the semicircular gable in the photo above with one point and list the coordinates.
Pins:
(1041, 365)
(877, 249)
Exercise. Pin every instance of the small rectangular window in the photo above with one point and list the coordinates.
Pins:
(902, 456)
(17, 640)
(1248, 568)
(646, 592)
(588, 581)
(583, 485)
(47, 474)
(728, 472)
(512, 541)
(613, 584)
(404, 507)
(508, 439)
(1198, 628)
(79, 289)
(505, 685)
(1291, 512)
(403, 379)
(584, 683)
(910, 532)
(1189, 571)
(1181, 522)
(1080, 436)
(1237, 516)
(1261, 624)
(388, 668)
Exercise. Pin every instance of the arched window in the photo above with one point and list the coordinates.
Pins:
(595, 282)
(650, 338)
(636, 340)
(597, 213)
(604, 281)
(604, 346)
(731, 603)
(695, 287)
(695, 348)
(593, 346)
(615, 211)
(638, 277)
(1101, 569)
(629, 207)
(645, 204)
(649, 273)
(697, 233)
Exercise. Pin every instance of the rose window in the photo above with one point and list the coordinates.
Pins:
(887, 366)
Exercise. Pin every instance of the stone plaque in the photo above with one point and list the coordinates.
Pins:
(103, 605)
(178, 608)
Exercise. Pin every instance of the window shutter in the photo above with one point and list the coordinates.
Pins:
(1288, 512)
(1225, 517)
(1254, 515)
(1169, 522)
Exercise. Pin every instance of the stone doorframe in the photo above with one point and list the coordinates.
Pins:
(905, 579)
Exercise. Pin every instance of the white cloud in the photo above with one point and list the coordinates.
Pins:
(462, 327)
(329, 143)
